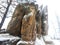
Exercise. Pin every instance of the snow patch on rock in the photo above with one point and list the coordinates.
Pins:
(26, 16)
(39, 41)
(4, 37)
(25, 42)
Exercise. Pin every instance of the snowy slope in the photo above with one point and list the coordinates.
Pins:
(39, 41)
(6, 36)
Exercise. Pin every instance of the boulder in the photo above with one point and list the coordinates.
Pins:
(14, 26)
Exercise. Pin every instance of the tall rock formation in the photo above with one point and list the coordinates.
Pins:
(38, 24)
(26, 22)
(14, 26)
(44, 19)
(28, 30)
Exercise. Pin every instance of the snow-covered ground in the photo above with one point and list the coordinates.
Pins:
(56, 42)
(39, 41)
(6, 36)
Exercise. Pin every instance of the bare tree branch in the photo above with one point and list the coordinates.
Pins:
(3, 19)
(8, 16)
(2, 6)
(0, 16)
(1, 12)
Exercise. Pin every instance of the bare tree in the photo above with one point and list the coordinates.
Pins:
(5, 14)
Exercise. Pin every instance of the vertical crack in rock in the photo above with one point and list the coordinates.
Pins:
(38, 24)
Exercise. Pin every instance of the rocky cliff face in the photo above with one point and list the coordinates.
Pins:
(26, 23)
(44, 19)
(28, 29)
(23, 23)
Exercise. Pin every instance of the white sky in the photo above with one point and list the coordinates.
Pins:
(53, 11)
